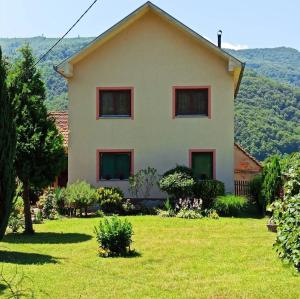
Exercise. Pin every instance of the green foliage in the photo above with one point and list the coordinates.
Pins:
(141, 183)
(114, 236)
(166, 213)
(208, 190)
(129, 208)
(180, 169)
(48, 203)
(177, 185)
(256, 192)
(7, 150)
(110, 200)
(272, 181)
(288, 232)
(80, 195)
(229, 205)
(267, 116)
(40, 154)
(287, 217)
(16, 219)
(188, 214)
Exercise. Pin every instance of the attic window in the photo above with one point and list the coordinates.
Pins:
(191, 101)
(114, 102)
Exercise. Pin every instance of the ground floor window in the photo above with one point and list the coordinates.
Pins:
(202, 162)
(115, 165)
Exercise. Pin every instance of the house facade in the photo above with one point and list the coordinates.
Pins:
(150, 92)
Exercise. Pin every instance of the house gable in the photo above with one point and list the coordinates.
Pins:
(233, 65)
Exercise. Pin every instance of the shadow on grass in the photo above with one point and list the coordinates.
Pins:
(2, 288)
(47, 238)
(128, 255)
(24, 258)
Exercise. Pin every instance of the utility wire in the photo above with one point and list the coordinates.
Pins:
(44, 55)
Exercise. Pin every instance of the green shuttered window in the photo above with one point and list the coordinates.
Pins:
(115, 103)
(202, 165)
(191, 102)
(115, 166)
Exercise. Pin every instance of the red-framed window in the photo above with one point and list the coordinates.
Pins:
(114, 102)
(203, 163)
(191, 101)
(114, 164)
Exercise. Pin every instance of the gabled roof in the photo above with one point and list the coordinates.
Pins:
(248, 155)
(61, 121)
(65, 68)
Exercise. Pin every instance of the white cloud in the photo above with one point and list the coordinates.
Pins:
(234, 47)
(229, 45)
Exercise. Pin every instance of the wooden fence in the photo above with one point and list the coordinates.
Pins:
(242, 188)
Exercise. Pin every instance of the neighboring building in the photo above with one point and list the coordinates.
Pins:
(150, 92)
(61, 120)
(245, 166)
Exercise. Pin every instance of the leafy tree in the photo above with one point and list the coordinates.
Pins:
(40, 154)
(272, 182)
(7, 150)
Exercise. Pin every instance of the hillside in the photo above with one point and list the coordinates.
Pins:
(267, 108)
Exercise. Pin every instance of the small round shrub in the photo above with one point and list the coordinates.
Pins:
(177, 185)
(110, 200)
(48, 203)
(208, 191)
(114, 236)
(229, 205)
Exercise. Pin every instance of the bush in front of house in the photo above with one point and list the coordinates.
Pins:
(229, 205)
(208, 191)
(110, 200)
(142, 182)
(188, 214)
(272, 181)
(80, 195)
(180, 169)
(114, 236)
(47, 203)
(288, 219)
(256, 192)
(177, 185)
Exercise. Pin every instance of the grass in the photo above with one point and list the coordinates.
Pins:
(178, 258)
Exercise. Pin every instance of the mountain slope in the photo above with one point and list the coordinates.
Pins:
(267, 110)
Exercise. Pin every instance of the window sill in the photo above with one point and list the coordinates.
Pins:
(192, 116)
(115, 117)
(113, 180)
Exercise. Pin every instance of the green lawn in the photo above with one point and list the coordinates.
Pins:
(225, 258)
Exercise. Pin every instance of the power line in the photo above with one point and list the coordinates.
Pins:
(44, 55)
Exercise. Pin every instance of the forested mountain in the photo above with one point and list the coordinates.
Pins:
(267, 108)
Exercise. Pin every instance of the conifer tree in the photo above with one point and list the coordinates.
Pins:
(7, 150)
(40, 155)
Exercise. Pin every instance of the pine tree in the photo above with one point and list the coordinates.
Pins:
(40, 155)
(7, 150)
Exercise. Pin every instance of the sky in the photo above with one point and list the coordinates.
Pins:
(245, 24)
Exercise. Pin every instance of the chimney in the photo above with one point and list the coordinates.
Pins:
(220, 39)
